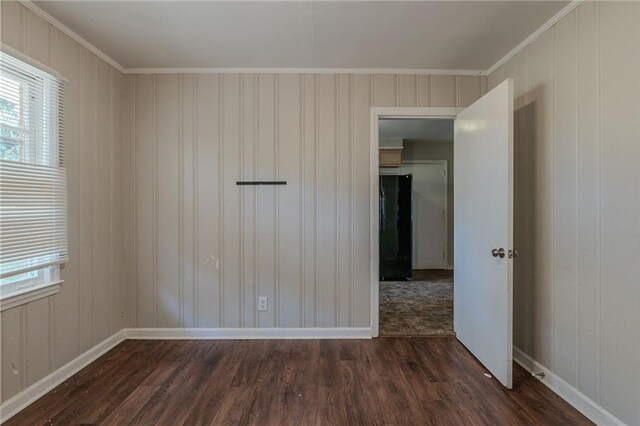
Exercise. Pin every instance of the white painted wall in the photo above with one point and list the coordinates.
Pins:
(390, 143)
(429, 187)
(39, 337)
(577, 287)
(415, 149)
(304, 245)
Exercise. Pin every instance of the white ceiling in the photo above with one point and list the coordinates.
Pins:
(452, 35)
(391, 129)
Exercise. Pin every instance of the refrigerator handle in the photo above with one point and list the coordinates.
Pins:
(382, 210)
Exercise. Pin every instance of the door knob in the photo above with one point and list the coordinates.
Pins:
(498, 253)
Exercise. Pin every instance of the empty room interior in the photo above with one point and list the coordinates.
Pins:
(321, 212)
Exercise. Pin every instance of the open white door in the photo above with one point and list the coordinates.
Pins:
(483, 228)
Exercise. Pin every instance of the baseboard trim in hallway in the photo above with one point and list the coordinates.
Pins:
(564, 390)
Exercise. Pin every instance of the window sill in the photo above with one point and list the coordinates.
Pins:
(28, 295)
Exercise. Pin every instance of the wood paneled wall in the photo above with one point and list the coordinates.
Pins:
(160, 235)
(577, 292)
(207, 248)
(40, 337)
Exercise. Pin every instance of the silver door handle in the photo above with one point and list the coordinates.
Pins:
(498, 253)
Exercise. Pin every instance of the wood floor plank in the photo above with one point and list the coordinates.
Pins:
(252, 375)
(385, 381)
(416, 373)
(238, 359)
(131, 406)
(187, 380)
(105, 392)
(77, 387)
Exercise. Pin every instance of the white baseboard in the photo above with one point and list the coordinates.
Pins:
(17, 403)
(573, 396)
(248, 333)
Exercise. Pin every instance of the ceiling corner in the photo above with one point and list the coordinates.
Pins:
(75, 36)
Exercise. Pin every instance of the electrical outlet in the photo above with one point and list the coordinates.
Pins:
(263, 303)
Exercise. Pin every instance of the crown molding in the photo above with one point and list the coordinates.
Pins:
(534, 36)
(75, 36)
(224, 70)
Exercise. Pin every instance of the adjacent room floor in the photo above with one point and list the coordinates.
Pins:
(423, 306)
(389, 380)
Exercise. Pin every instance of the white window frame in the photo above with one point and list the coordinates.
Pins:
(46, 281)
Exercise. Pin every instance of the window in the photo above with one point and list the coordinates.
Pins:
(33, 177)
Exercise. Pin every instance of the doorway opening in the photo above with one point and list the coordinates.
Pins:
(484, 222)
(416, 226)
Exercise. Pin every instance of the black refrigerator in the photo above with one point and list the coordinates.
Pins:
(396, 244)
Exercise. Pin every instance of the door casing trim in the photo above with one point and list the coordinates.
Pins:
(446, 113)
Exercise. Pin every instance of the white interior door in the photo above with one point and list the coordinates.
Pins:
(429, 207)
(483, 229)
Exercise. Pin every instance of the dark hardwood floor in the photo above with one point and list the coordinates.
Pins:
(392, 380)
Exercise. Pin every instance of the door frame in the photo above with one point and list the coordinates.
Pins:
(445, 166)
(446, 113)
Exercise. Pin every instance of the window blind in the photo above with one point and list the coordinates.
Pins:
(33, 176)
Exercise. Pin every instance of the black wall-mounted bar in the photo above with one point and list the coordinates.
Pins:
(261, 182)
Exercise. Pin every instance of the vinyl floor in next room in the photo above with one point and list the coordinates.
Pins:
(420, 307)
(389, 380)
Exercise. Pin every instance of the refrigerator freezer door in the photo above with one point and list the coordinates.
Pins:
(395, 227)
